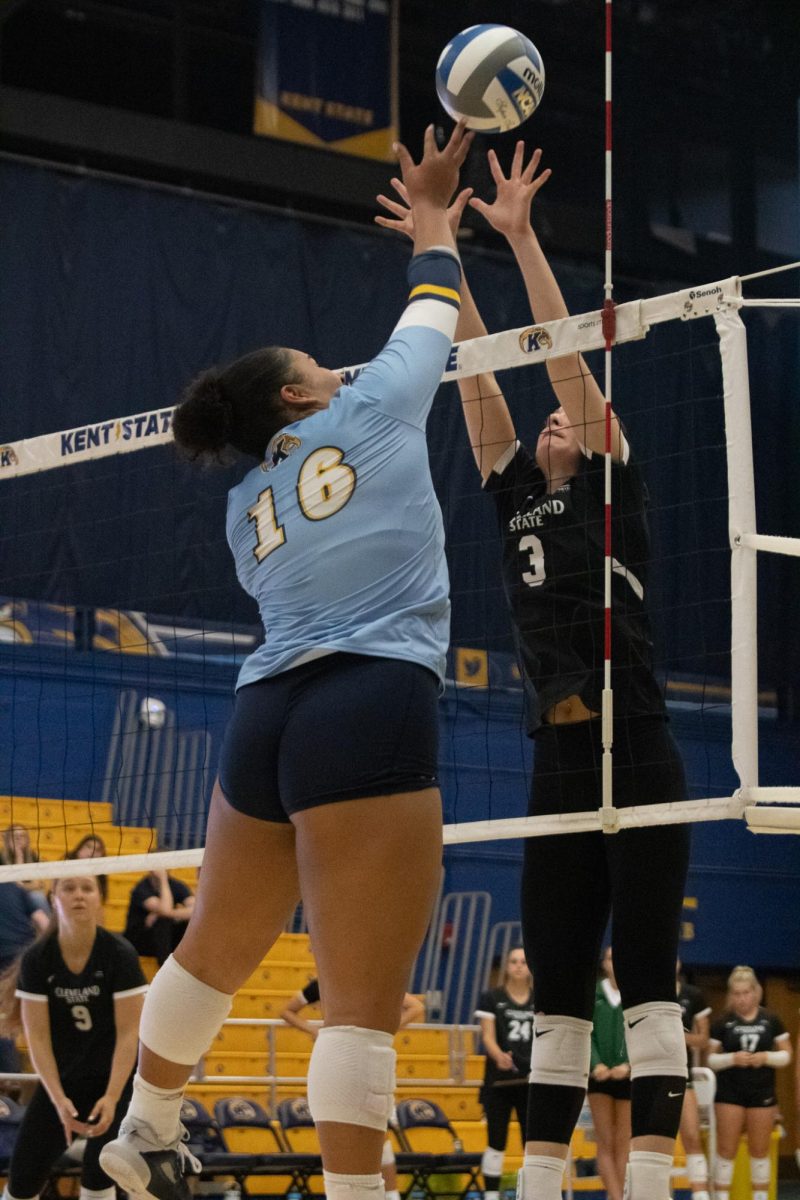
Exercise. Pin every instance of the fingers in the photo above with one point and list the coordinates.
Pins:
(516, 165)
(400, 188)
(494, 167)
(541, 180)
(403, 157)
(462, 149)
(480, 206)
(460, 202)
(398, 209)
(429, 147)
(530, 170)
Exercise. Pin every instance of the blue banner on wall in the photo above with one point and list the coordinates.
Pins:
(327, 73)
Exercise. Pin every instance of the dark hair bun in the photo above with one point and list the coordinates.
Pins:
(202, 424)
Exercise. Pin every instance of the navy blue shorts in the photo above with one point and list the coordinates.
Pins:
(341, 727)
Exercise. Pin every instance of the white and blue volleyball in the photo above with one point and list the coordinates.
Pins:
(491, 76)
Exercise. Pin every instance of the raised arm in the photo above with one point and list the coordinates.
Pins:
(573, 383)
(489, 424)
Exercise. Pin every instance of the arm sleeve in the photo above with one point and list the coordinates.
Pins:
(129, 979)
(32, 982)
(720, 1062)
(402, 380)
(310, 992)
(486, 1007)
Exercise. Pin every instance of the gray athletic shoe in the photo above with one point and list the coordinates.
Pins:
(143, 1166)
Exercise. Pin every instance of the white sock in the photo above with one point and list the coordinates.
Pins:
(159, 1108)
(395, 1195)
(540, 1178)
(703, 1195)
(108, 1193)
(648, 1176)
(353, 1187)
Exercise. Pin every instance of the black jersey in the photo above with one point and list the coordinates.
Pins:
(513, 1025)
(743, 1084)
(693, 1005)
(81, 1007)
(553, 574)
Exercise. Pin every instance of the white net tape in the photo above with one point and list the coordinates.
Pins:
(764, 809)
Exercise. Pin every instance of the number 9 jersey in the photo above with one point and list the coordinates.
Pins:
(82, 1025)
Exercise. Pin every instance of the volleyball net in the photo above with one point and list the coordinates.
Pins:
(122, 742)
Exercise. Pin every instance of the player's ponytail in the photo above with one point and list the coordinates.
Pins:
(237, 406)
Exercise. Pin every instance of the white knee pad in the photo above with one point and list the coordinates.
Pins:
(387, 1155)
(561, 1052)
(723, 1172)
(759, 1171)
(492, 1162)
(181, 1016)
(697, 1168)
(351, 1076)
(655, 1039)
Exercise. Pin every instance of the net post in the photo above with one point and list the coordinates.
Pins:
(609, 816)
(741, 522)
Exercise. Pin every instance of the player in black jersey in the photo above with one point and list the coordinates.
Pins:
(80, 990)
(506, 1017)
(551, 509)
(695, 1014)
(747, 1043)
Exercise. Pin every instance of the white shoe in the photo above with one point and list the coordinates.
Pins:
(143, 1166)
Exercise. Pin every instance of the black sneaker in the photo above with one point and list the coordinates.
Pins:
(143, 1166)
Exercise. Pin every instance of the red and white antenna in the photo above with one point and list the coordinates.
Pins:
(608, 814)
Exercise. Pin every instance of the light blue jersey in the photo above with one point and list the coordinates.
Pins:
(338, 534)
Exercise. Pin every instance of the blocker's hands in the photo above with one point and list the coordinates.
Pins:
(435, 177)
(510, 212)
(403, 218)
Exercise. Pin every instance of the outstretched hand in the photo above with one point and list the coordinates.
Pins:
(510, 213)
(435, 177)
(403, 218)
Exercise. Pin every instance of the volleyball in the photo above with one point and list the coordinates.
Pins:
(492, 76)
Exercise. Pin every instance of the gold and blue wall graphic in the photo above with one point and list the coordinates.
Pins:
(327, 74)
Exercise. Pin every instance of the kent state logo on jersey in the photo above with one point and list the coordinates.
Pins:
(535, 338)
(8, 457)
(279, 449)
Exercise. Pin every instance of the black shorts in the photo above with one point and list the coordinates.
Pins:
(744, 1099)
(341, 727)
(617, 1089)
(567, 766)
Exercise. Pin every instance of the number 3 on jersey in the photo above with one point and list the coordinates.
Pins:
(324, 486)
(532, 546)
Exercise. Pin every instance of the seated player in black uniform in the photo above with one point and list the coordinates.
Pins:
(506, 1017)
(80, 990)
(551, 506)
(412, 1011)
(747, 1043)
(695, 1014)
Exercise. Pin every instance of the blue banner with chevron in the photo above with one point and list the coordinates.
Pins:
(327, 72)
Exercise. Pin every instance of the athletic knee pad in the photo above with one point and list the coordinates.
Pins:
(181, 1015)
(351, 1076)
(655, 1039)
(492, 1162)
(759, 1171)
(697, 1168)
(723, 1172)
(561, 1051)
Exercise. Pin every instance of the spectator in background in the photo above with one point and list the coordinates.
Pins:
(17, 849)
(610, 1082)
(695, 1013)
(747, 1043)
(412, 1011)
(90, 846)
(20, 920)
(159, 909)
(506, 1017)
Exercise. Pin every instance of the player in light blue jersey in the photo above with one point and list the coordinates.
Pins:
(327, 786)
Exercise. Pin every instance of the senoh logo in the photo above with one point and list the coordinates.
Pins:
(535, 338)
(699, 293)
